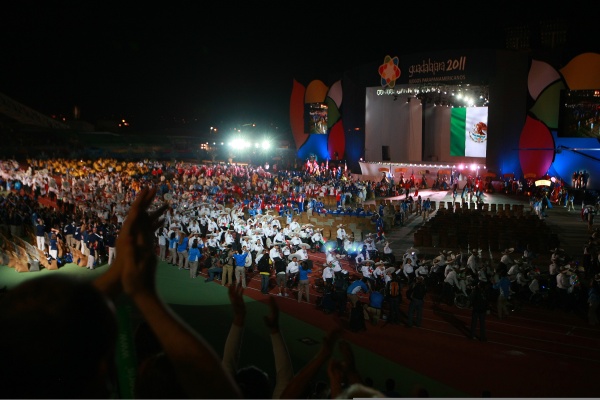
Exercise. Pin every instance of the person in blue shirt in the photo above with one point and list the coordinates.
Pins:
(194, 255)
(240, 264)
(303, 281)
(173, 242)
(182, 250)
(69, 231)
(53, 246)
(359, 285)
(375, 305)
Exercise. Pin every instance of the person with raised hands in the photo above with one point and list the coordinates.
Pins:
(198, 369)
(252, 379)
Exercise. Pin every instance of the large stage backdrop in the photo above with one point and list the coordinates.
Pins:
(500, 109)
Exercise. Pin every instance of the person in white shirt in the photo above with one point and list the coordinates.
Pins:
(514, 270)
(291, 272)
(257, 247)
(366, 270)
(279, 237)
(451, 284)
(275, 223)
(240, 227)
(379, 274)
(328, 274)
(287, 232)
(275, 253)
(294, 225)
(194, 227)
(317, 238)
(162, 235)
(250, 259)
(388, 252)
(295, 241)
(212, 226)
(268, 232)
(473, 261)
(293, 266)
(340, 236)
(506, 258)
(309, 230)
(408, 269)
(212, 242)
(422, 270)
(303, 254)
(229, 239)
(286, 250)
(370, 243)
(223, 221)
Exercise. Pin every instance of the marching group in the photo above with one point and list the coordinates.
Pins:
(197, 230)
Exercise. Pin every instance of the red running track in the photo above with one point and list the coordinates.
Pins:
(535, 352)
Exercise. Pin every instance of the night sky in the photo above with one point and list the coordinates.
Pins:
(205, 64)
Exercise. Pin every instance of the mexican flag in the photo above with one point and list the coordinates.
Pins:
(468, 131)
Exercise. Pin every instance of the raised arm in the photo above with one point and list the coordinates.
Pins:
(233, 344)
(197, 366)
(299, 385)
(283, 363)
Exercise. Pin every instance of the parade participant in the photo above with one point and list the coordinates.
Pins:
(291, 272)
(407, 270)
(279, 237)
(182, 250)
(295, 225)
(280, 277)
(388, 252)
(275, 253)
(240, 269)
(228, 262)
(450, 285)
(473, 262)
(194, 254)
(173, 242)
(328, 274)
(161, 235)
(53, 245)
(295, 241)
(366, 270)
(264, 269)
(356, 287)
(40, 233)
(379, 274)
(317, 238)
(340, 236)
(303, 281)
(362, 256)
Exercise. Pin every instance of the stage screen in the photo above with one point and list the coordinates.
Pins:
(315, 118)
(579, 114)
(468, 131)
(430, 126)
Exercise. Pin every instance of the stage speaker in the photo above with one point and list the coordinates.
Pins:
(34, 265)
(385, 153)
